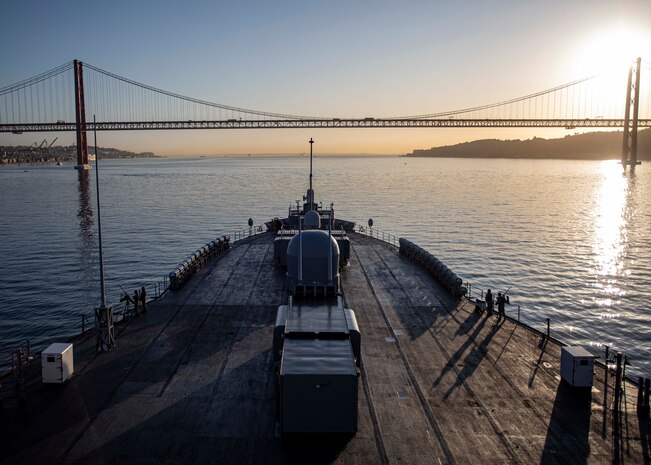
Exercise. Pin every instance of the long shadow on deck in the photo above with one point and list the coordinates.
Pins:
(232, 423)
(427, 317)
(645, 439)
(409, 287)
(120, 375)
(542, 346)
(569, 427)
(474, 355)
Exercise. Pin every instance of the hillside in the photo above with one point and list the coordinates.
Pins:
(590, 146)
(34, 154)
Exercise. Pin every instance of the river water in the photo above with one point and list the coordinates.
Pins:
(572, 239)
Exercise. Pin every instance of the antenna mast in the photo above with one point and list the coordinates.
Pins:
(311, 191)
(104, 313)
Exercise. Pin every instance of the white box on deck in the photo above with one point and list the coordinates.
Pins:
(57, 363)
(577, 366)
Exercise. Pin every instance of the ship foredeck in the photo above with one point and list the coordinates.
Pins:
(193, 381)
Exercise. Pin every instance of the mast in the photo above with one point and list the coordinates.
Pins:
(311, 192)
(330, 248)
(104, 313)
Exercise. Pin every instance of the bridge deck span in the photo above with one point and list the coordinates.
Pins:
(325, 124)
(192, 381)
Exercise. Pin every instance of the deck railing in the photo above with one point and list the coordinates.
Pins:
(378, 234)
(121, 310)
(480, 296)
(156, 290)
(545, 330)
(159, 288)
(249, 232)
(513, 312)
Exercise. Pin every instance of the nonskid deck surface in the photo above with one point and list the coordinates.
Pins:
(193, 381)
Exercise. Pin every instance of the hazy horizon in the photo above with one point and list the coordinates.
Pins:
(324, 154)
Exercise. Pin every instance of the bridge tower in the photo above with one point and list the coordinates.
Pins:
(80, 114)
(629, 145)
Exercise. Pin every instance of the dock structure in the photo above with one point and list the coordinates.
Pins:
(193, 381)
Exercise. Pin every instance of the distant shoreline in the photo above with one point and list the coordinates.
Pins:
(31, 155)
(589, 146)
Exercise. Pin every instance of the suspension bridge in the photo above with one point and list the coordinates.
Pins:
(59, 100)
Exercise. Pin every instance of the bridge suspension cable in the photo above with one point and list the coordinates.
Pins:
(46, 102)
(45, 98)
(36, 79)
(502, 103)
(192, 100)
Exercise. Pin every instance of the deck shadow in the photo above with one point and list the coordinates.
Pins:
(227, 425)
(468, 324)
(321, 449)
(475, 356)
(449, 366)
(427, 318)
(645, 439)
(534, 372)
(569, 427)
(139, 366)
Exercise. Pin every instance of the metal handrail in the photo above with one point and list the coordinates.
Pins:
(378, 234)
(9, 364)
(87, 319)
(249, 232)
(546, 321)
(157, 290)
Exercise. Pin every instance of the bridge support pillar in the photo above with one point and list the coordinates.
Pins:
(629, 144)
(80, 114)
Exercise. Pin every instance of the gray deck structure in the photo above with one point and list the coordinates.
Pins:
(193, 381)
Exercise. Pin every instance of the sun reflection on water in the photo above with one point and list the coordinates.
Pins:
(610, 233)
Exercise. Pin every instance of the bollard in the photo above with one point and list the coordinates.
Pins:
(640, 396)
(547, 320)
(518, 313)
(647, 383)
(606, 372)
(618, 390)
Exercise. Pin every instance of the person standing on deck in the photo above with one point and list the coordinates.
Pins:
(143, 299)
(501, 300)
(489, 302)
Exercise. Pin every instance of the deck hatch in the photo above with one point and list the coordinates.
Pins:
(324, 318)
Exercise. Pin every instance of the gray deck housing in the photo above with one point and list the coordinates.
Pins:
(318, 368)
(318, 386)
(282, 241)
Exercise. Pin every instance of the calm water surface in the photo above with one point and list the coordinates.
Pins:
(572, 238)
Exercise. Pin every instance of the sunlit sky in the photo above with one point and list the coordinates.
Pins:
(339, 58)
